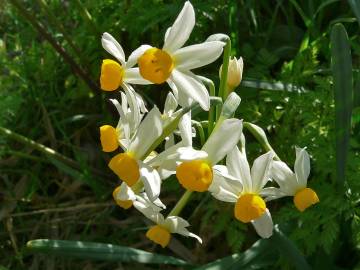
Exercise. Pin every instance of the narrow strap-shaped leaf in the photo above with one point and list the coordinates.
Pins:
(341, 66)
(98, 251)
(274, 86)
(288, 250)
(355, 6)
(244, 260)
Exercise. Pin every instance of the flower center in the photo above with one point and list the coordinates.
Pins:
(249, 207)
(125, 167)
(159, 235)
(126, 204)
(195, 175)
(108, 138)
(111, 75)
(305, 198)
(155, 65)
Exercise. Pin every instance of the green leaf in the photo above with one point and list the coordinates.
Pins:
(254, 255)
(98, 251)
(355, 6)
(274, 86)
(288, 250)
(341, 66)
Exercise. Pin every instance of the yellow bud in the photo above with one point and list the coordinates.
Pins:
(195, 175)
(126, 204)
(159, 235)
(108, 138)
(305, 198)
(111, 75)
(155, 65)
(125, 167)
(249, 207)
(235, 71)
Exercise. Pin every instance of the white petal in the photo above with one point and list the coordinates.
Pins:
(110, 44)
(159, 203)
(185, 129)
(169, 154)
(238, 166)
(132, 76)
(189, 153)
(264, 225)
(123, 126)
(198, 55)
(223, 139)
(167, 33)
(148, 209)
(260, 171)
(149, 130)
(302, 166)
(141, 103)
(233, 182)
(220, 189)
(126, 193)
(285, 178)
(188, 84)
(151, 179)
(169, 141)
(136, 54)
(272, 193)
(181, 29)
(175, 223)
(170, 104)
(134, 106)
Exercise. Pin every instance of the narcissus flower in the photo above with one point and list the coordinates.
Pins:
(172, 63)
(124, 197)
(236, 184)
(235, 71)
(195, 168)
(118, 74)
(130, 167)
(131, 113)
(294, 184)
(161, 232)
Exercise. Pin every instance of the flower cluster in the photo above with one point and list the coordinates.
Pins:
(220, 166)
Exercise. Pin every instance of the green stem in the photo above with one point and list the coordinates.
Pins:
(211, 117)
(260, 137)
(201, 132)
(224, 73)
(181, 203)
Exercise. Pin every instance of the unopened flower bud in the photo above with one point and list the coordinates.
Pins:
(235, 71)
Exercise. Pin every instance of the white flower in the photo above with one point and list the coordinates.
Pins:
(129, 121)
(236, 184)
(195, 168)
(130, 167)
(173, 63)
(293, 184)
(161, 232)
(124, 196)
(114, 74)
(235, 71)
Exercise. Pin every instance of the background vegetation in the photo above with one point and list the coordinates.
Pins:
(50, 57)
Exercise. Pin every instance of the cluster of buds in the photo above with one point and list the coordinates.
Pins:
(220, 166)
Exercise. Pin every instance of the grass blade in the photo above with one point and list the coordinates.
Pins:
(245, 260)
(341, 66)
(288, 250)
(355, 6)
(275, 86)
(98, 251)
